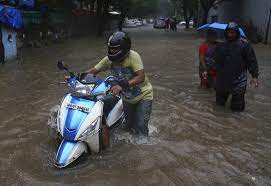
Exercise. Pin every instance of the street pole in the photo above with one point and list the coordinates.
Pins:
(267, 29)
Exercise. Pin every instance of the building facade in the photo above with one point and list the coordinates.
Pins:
(243, 11)
(9, 43)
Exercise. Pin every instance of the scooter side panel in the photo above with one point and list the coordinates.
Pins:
(115, 114)
(93, 140)
(75, 118)
(63, 113)
(94, 116)
(69, 152)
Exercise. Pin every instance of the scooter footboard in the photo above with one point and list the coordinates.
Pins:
(68, 152)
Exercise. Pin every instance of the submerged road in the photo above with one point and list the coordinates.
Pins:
(193, 142)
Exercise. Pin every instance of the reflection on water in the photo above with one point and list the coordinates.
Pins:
(192, 141)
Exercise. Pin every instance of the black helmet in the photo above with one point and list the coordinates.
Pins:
(119, 45)
(232, 26)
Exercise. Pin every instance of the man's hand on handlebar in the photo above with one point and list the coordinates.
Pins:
(66, 78)
(116, 90)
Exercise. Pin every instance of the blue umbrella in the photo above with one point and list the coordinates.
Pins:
(203, 27)
(219, 27)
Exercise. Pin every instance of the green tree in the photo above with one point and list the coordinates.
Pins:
(135, 8)
(186, 8)
(189, 10)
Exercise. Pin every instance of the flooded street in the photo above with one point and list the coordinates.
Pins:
(193, 142)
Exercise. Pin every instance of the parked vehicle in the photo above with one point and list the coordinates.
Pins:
(150, 21)
(130, 23)
(183, 23)
(159, 23)
(82, 114)
(144, 21)
(138, 22)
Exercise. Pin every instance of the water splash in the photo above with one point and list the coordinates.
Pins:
(52, 121)
(121, 135)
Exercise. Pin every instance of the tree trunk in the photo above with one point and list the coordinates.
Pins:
(122, 18)
(206, 6)
(185, 11)
(204, 19)
(100, 17)
(186, 18)
(105, 13)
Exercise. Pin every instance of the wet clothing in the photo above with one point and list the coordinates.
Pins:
(233, 60)
(126, 69)
(137, 100)
(237, 101)
(209, 53)
(138, 115)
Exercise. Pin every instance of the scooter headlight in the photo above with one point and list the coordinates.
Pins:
(84, 90)
(89, 131)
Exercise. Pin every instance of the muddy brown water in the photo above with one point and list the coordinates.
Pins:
(193, 142)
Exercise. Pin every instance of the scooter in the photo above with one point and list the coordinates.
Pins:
(82, 114)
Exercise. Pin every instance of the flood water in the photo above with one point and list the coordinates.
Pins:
(193, 142)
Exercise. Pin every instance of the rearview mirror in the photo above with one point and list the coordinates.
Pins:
(62, 66)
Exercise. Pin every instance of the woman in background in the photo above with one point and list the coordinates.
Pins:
(207, 71)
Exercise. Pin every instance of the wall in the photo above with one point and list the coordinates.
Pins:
(10, 48)
(257, 11)
(227, 11)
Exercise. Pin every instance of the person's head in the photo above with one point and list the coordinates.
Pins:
(232, 32)
(211, 36)
(119, 45)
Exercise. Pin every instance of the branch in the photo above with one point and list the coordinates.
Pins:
(203, 5)
(220, 1)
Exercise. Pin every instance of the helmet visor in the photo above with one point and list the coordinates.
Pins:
(113, 50)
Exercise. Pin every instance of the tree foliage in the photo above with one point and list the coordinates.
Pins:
(186, 8)
(136, 8)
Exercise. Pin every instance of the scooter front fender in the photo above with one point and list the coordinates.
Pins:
(68, 152)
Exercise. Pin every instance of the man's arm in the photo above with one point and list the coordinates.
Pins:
(93, 71)
(101, 66)
(138, 79)
(202, 61)
(139, 75)
(252, 62)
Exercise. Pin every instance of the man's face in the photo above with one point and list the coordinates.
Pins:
(113, 50)
(232, 35)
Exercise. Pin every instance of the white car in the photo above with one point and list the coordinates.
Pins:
(149, 21)
(144, 22)
(130, 23)
(138, 22)
(182, 23)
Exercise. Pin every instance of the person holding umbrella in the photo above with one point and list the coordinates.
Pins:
(233, 59)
